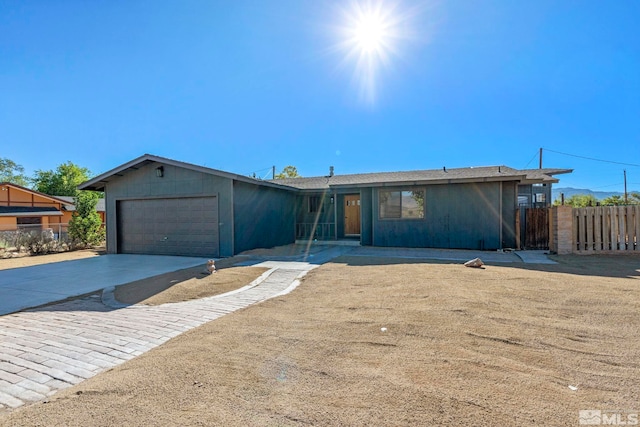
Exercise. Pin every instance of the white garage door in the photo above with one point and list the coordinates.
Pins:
(184, 226)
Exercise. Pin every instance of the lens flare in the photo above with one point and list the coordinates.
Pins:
(370, 32)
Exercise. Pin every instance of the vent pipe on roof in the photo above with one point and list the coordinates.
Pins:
(330, 170)
(499, 170)
(444, 168)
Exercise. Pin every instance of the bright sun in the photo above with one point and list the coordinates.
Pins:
(370, 30)
(370, 33)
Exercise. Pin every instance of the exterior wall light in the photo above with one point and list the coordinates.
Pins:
(160, 171)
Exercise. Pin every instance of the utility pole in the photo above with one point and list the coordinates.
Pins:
(625, 186)
(540, 157)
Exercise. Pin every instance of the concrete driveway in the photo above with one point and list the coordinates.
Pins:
(27, 287)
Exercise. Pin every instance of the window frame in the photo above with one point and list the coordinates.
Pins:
(402, 190)
(319, 206)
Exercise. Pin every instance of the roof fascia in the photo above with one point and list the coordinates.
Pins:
(93, 184)
(37, 193)
(432, 182)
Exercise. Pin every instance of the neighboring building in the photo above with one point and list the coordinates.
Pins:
(22, 208)
(71, 208)
(156, 205)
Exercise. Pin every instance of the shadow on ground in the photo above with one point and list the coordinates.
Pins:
(622, 266)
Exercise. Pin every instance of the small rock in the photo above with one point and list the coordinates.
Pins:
(476, 263)
(383, 329)
(573, 387)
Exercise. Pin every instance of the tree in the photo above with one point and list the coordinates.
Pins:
(12, 172)
(578, 201)
(614, 200)
(288, 172)
(85, 225)
(61, 182)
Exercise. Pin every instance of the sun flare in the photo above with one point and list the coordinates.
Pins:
(370, 31)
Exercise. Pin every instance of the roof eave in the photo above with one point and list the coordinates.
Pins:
(432, 182)
(20, 187)
(35, 213)
(99, 182)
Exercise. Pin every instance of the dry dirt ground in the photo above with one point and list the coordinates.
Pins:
(24, 260)
(187, 284)
(483, 347)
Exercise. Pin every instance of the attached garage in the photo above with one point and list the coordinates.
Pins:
(169, 226)
(160, 206)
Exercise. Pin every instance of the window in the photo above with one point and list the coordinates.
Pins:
(29, 223)
(401, 204)
(315, 204)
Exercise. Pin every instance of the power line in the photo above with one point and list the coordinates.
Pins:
(534, 156)
(594, 159)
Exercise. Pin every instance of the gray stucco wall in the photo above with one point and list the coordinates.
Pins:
(263, 217)
(176, 182)
(457, 216)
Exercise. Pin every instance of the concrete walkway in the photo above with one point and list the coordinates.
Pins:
(51, 348)
(26, 287)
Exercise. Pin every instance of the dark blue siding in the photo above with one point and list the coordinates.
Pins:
(176, 182)
(263, 217)
(457, 216)
(366, 217)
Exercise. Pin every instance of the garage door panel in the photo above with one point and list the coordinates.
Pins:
(186, 226)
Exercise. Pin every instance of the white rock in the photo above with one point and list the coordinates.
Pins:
(476, 262)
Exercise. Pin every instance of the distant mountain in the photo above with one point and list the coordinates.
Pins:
(569, 191)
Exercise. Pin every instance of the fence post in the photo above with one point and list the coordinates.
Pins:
(562, 227)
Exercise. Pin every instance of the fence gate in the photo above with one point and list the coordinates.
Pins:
(535, 228)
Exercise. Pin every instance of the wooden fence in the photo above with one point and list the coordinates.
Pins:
(606, 229)
(536, 234)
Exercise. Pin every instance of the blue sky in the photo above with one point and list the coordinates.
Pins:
(244, 85)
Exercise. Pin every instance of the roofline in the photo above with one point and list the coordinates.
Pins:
(20, 187)
(432, 182)
(94, 184)
(36, 213)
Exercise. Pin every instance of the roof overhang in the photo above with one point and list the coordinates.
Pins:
(517, 178)
(99, 182)
(29, 214)
(4, 185)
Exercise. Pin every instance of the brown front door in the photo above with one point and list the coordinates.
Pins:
(352, 214)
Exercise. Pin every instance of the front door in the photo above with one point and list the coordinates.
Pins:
(352, 215)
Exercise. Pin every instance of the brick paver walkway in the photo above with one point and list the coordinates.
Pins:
(51, 348)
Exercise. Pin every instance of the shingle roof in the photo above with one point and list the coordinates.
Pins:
(433, 176)
(99, 182)
(545, 174)
(71, 206)
(28, 210)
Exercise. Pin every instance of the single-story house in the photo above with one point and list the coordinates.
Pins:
(23, 208)
(156, 205)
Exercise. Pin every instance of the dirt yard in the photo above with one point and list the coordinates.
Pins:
(26, 260)
(187, 284)
(485, 347)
